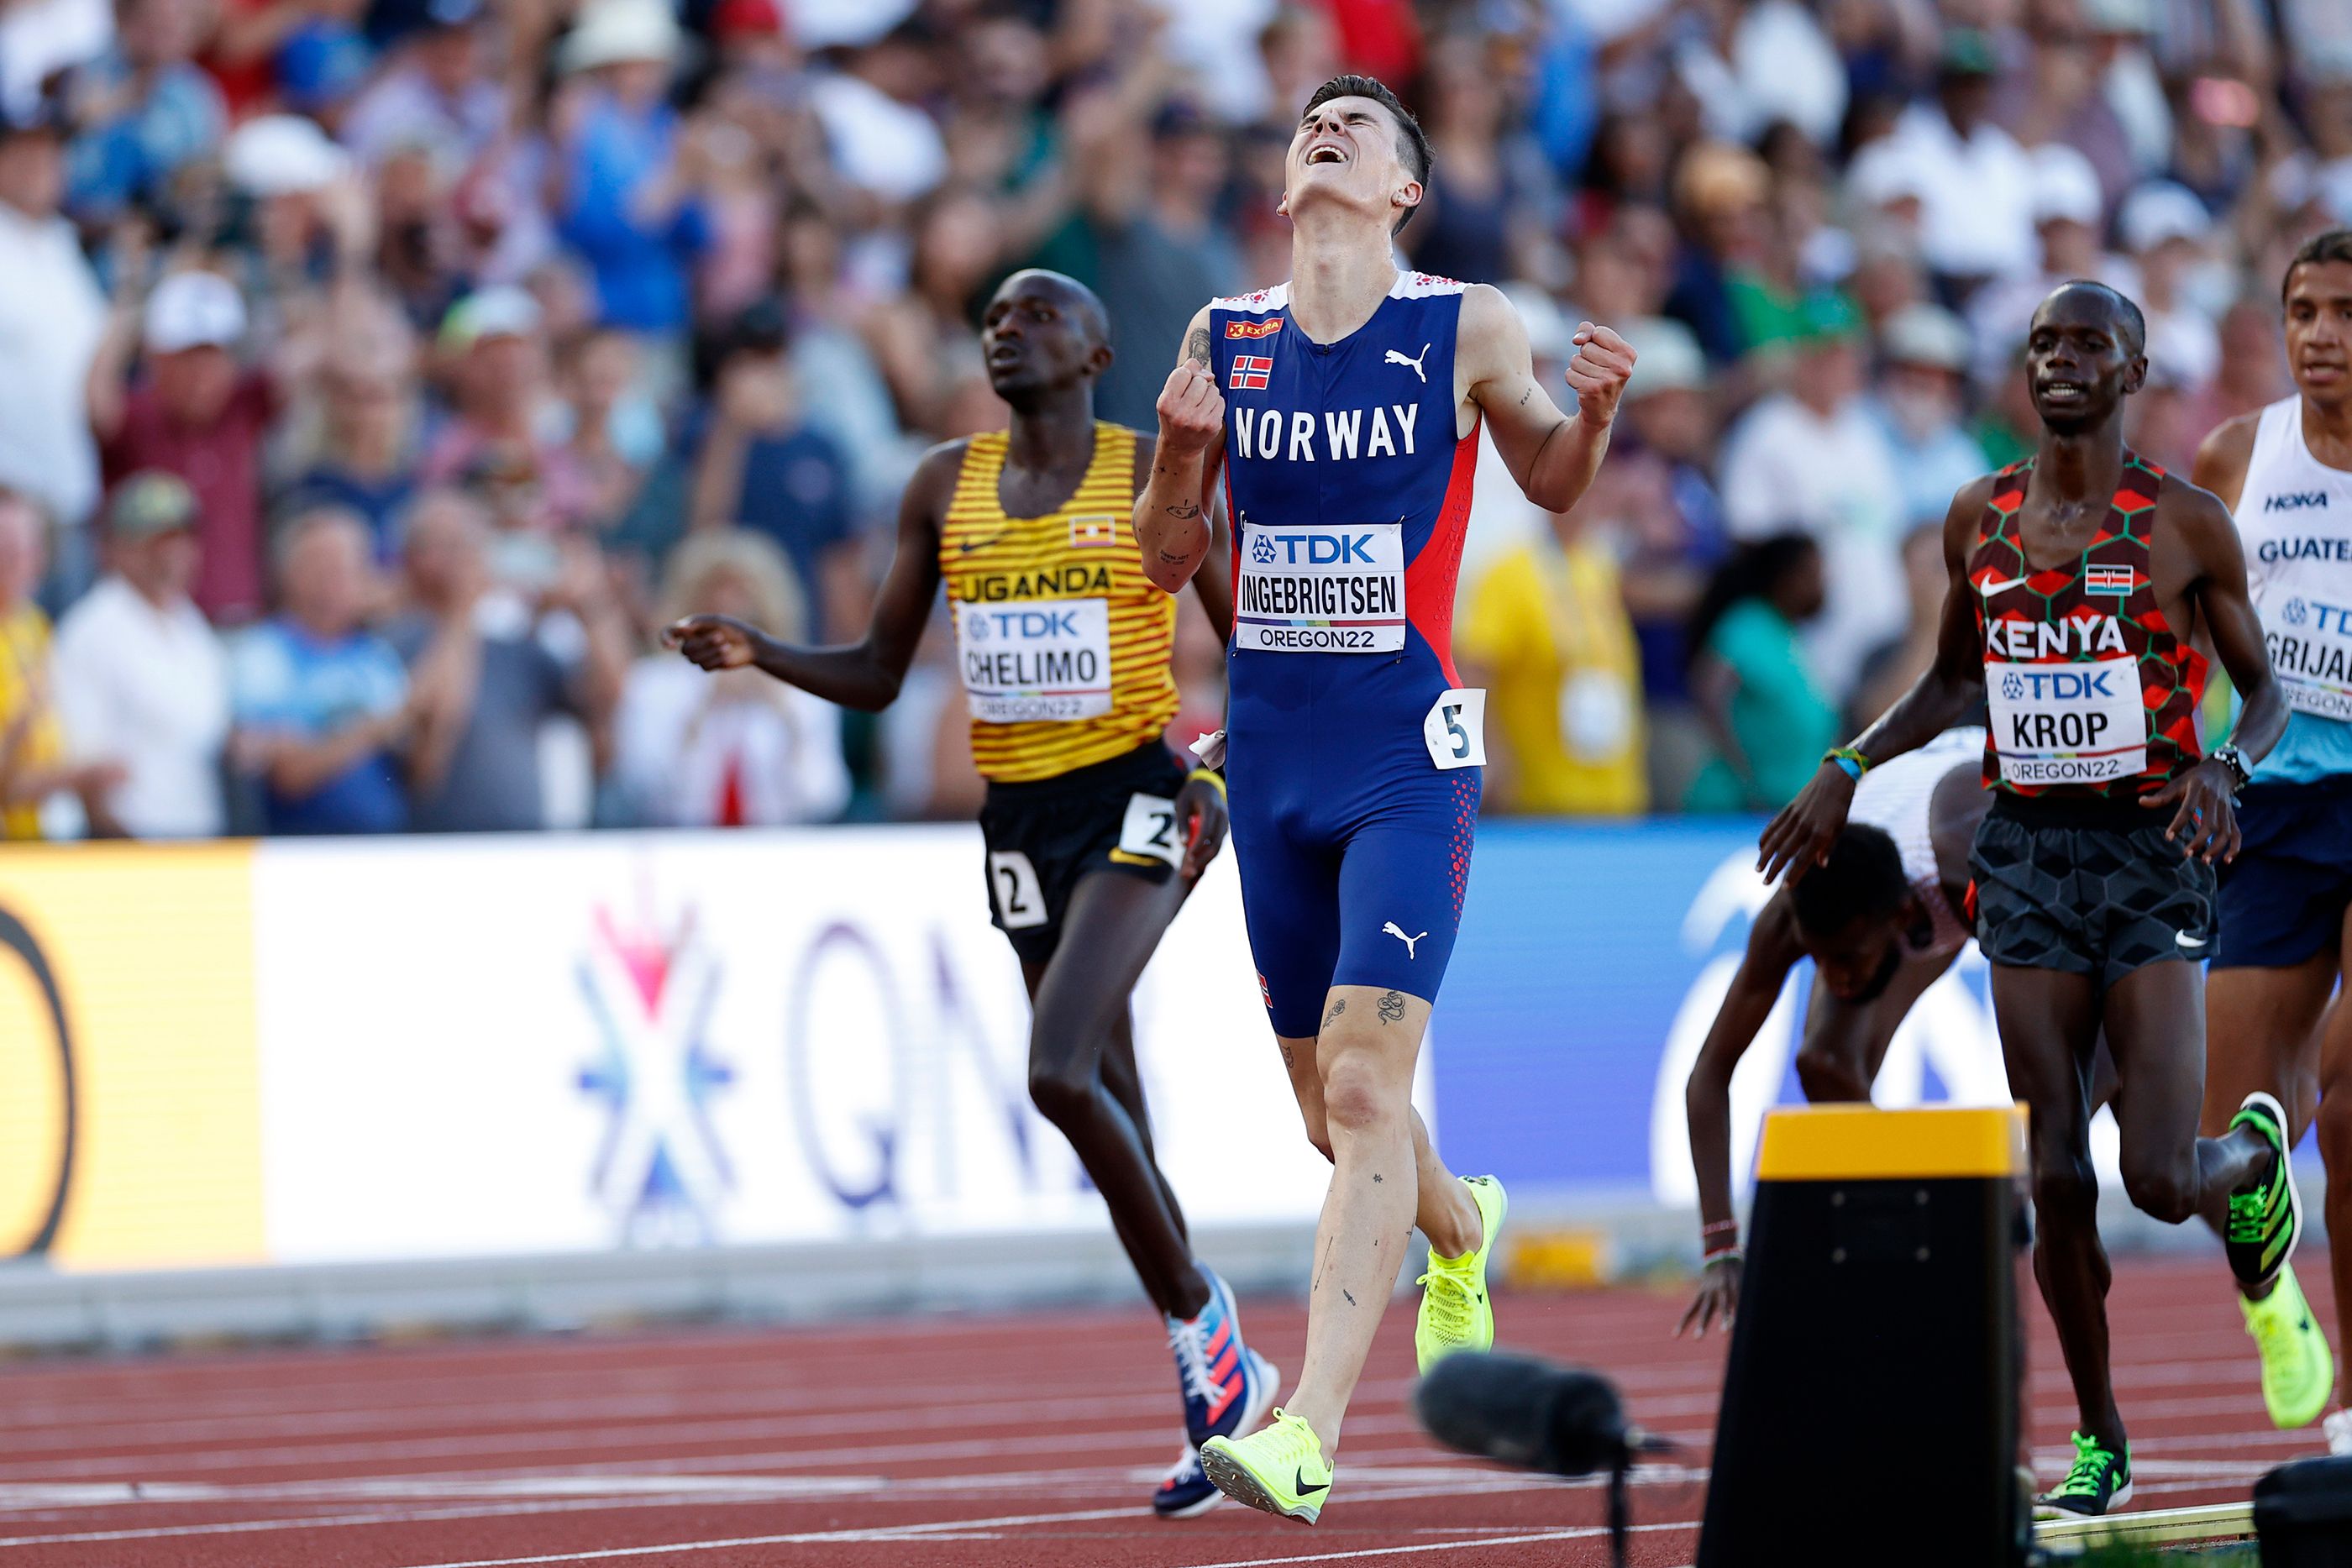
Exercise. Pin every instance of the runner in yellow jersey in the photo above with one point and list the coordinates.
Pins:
(1092, 827)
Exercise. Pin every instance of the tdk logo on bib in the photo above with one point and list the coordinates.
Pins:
(1022, 623)
(1311, 549)
(2296, 501)
(2064, 685)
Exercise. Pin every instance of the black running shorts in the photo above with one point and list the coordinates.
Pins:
(2283, 898)
(2086, 888)
(1042, 836)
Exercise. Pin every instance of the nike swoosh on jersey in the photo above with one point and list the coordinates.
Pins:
(2000, 585)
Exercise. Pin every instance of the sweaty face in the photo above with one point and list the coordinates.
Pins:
(1858, 963)
(1346, 149)
(2080, 363)
(2319, 329)
(1036, 334)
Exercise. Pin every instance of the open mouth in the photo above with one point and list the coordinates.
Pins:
(2063, 392)
(1004, 354)
(1326, 152)
(2322, 371)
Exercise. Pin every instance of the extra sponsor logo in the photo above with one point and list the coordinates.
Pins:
(37, 1067)
(1266, 329)
(659, 1172)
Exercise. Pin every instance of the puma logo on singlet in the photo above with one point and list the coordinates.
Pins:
(1413, 365)
(1392, 928)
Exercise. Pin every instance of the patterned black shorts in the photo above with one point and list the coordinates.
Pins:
(2101, 901)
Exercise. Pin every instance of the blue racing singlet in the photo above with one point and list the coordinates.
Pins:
(1352, 753)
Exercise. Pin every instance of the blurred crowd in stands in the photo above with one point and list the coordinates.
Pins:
(378, 376)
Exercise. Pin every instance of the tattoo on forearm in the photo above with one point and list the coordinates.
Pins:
(1183, 511)
(1349, 1294)
(1174, 558)
(1376, 1181)
(1525, 395)
(1196, 346)
(1392, 1006)
(1322, 1268)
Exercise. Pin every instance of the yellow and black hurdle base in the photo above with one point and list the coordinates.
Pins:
(1877, 1364)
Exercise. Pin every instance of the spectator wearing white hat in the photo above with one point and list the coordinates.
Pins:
(198, 412)
(139, 678)
(627, 173)
(500, 446)
(2167, 231)
(1919, 402)
(52, 317)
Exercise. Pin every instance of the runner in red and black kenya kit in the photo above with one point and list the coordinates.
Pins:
(2079, 580)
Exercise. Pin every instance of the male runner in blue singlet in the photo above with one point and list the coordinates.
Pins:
(1342, 409)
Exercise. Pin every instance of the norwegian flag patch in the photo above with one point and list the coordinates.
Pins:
(2111, 579)
(1250, 371)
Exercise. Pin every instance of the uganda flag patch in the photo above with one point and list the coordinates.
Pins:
(1090, 532)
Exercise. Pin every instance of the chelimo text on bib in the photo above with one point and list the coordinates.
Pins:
(2311, 649)
(2068, 724)
(1024, 662)
(1321, 590)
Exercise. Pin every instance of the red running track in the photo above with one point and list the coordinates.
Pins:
(979, 1443)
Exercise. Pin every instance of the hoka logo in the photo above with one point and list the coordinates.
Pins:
(2296, 501)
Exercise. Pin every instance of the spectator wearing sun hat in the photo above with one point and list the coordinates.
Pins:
(1814, 459)
(139, 678)
(198, 412)
(625, 169)
(2166, 231)
(1919, 399)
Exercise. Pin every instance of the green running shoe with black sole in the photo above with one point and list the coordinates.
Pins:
(2266, 1215)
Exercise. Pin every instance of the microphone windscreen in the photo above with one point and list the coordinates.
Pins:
(1524, 1412)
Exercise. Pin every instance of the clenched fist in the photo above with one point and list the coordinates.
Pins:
(714, 642)
(1191, 410)
(1598, 374)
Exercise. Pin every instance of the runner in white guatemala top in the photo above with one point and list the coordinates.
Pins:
(2284, 940)
(1882, 920)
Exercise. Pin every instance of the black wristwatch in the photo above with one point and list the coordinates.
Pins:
(2240, 773)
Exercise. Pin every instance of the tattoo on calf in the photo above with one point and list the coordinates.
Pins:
(1392, 1006)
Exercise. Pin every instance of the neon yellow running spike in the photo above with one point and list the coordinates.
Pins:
(2298, 1369)
(1279, 1469)
(1455, 1313)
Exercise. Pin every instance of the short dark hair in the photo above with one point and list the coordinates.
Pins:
(1413, 142)
(1861, 880)
(2328, 245)
(2126, 306)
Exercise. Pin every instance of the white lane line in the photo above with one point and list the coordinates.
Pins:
(949, 1528)
(1581, 1533)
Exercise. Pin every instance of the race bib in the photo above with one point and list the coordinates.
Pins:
(1149, 830)
(1455, 729)
(1322, 591)
(1019, 901)
(2311, 650)
(2068, 724)
(1031, 661)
